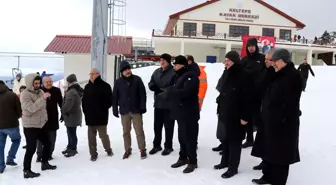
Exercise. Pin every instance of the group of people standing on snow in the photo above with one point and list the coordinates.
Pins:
(258, 92)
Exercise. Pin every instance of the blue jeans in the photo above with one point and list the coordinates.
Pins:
(72, 138)
(14, 135)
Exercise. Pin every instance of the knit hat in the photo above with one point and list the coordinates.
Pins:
(283, 54)
(181, 60)
(124, 65)
(71, 78)
(252, 42)
(166, 57)
(233, 56)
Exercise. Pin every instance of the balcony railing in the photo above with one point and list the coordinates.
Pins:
(225, 36)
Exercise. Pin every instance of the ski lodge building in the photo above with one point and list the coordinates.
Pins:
(211, 29)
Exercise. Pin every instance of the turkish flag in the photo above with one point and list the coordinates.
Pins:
(267, 43)
(245, 38)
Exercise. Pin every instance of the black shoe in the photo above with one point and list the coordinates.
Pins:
(110, 153)
(127, 154)
(260, 181)
(247, 144)
(179, 163)
(47, 166)
(66, 150)
(155, 150)
(94, 158)
(218, 148)
(228, 174)
(166, 151)
(220, 166)
(259, 166)
(71, 153)
(190, 168)
(11, 163)
(143, 154)
(39, 159)
(29, 174)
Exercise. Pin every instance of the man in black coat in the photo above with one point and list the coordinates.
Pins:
(129, 99)
(54, 102)
(192, 65)
(267, 78)
(183, 97)
(162, 78)
(233, 112)
(255, 63)
(280, 114)
(96, 102)
(304, 69)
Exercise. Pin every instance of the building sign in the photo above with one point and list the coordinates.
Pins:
(243, 15)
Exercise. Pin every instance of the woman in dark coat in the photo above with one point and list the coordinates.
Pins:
(281, 120)
(233, 112)
(72, 113)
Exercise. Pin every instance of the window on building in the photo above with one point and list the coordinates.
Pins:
(189, 29)
(269, 32)
(209, 29)
(236, 31)
(285, 34)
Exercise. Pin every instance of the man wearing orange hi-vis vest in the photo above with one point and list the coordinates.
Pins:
(203, 86)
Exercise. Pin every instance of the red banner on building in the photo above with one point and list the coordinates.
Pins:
(266, 43)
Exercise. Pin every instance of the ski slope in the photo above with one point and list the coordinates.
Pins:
(317, 147)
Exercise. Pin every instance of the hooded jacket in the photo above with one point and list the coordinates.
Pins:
(34, 112)
(17, 84)
(71, 109)
(10, 109)
(255, 63)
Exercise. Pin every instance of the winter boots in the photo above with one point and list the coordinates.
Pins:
(70, 153)
(165, 152)
(190, 167)
(44, 166)
(127, 154)
(218, 148)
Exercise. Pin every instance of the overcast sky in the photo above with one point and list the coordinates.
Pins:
(30, 25)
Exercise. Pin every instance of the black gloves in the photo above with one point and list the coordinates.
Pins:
(61, 119)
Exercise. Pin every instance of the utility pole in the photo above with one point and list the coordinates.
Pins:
(99, 40)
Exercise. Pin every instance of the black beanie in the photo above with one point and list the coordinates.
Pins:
(252, 42)
(233, 56)
(166, 57)
(181, 60)
(71, 78)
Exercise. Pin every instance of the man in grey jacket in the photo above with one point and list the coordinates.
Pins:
(72, 113)
(34, 117)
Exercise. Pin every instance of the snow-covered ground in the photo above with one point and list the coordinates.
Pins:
(317, 147)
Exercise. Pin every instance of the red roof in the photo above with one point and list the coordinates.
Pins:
(82, 44)
(174, 17)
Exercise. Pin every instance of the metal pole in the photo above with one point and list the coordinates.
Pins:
(99, 40)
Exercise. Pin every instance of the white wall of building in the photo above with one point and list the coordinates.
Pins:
(80, 64)
(173, 48)
(211, 14)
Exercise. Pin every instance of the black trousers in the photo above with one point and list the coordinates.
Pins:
(187, 136)
(304, 83)
(32, 136)
(162, 119)
(231, 153)
(251, 126)
(72, 138)
(52, 134)
(275, 174)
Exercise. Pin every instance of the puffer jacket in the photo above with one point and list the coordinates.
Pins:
(34, 112)
(72, 109)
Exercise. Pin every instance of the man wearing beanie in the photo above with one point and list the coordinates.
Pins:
(233, 112)
(183, 98)
(96, 102)
(255, 63)
(129, 100)
(18, 82)
(161, 79)
(72, 113)
(280, 114)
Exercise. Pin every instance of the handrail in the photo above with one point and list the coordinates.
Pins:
(225, 36)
